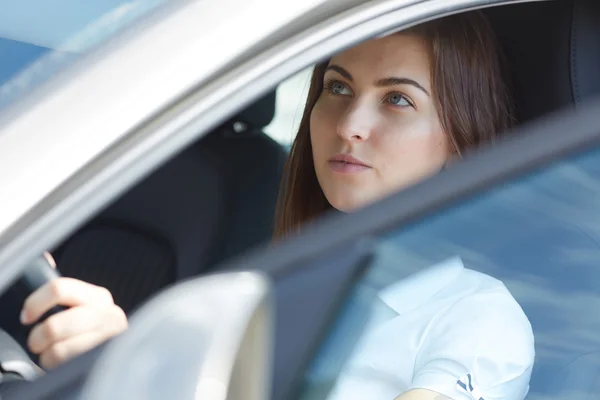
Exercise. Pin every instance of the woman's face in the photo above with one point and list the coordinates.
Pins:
(375, 128)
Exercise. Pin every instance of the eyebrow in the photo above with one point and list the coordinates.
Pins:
(391, 81)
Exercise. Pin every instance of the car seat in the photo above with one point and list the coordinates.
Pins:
(208, 203)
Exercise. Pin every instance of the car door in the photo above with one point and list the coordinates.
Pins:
(342, 30)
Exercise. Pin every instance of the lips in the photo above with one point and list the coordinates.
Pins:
(345, 163)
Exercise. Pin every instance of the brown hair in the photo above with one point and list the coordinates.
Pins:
(469, 91)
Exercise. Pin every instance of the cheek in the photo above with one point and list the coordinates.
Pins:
(415, 149)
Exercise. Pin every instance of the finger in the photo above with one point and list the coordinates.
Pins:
(65, 292)
(73, 322)
(66, 349)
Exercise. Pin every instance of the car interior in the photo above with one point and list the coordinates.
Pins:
(210, 202)
(217, 198)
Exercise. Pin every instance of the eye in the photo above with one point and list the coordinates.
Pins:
(337, 88)
(399, 100)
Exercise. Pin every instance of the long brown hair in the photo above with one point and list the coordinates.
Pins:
(469, 89)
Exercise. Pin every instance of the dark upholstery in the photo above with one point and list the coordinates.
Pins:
(258, 115)
(585, 50)
(251, 211)
(210, 202)
(553, 52)
(141, 242)
(535, 39)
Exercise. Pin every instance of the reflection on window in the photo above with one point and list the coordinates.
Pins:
(291, 96)
(38, 38)
(539, 238)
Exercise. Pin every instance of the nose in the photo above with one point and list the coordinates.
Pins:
(357, 123)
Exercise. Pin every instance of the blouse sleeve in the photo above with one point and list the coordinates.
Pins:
(480, 348)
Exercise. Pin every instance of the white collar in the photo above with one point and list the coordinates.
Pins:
(411, 292)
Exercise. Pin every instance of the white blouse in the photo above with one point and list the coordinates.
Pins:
(449, 329)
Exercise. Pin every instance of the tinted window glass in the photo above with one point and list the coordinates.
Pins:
(39, 38)
(537, 237)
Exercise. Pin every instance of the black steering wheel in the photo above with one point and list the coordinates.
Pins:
(15, 364)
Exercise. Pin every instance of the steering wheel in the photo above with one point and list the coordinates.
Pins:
(15, 364)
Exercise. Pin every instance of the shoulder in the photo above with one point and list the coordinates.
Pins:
(485, 335)
(489, 313)
(491, 302)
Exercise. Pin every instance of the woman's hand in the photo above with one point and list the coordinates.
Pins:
(92, 318)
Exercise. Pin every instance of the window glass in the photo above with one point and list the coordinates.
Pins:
(291, 96)
(39, 38)
(493, 298)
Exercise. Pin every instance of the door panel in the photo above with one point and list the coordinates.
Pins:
(307, 297)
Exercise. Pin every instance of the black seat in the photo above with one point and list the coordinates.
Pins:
(210, 202)
(553, 53)
(535, 37)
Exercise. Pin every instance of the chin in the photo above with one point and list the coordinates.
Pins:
(347, 202)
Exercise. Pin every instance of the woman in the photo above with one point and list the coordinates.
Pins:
(450, 96)
(379, 117)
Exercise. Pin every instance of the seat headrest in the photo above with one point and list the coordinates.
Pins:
(585, 50)
(258, 115)
(553, 53)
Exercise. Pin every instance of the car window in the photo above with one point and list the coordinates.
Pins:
(39, 38)
(291, 95)
(535, 240)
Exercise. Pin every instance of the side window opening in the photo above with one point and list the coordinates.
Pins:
(291, 96)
